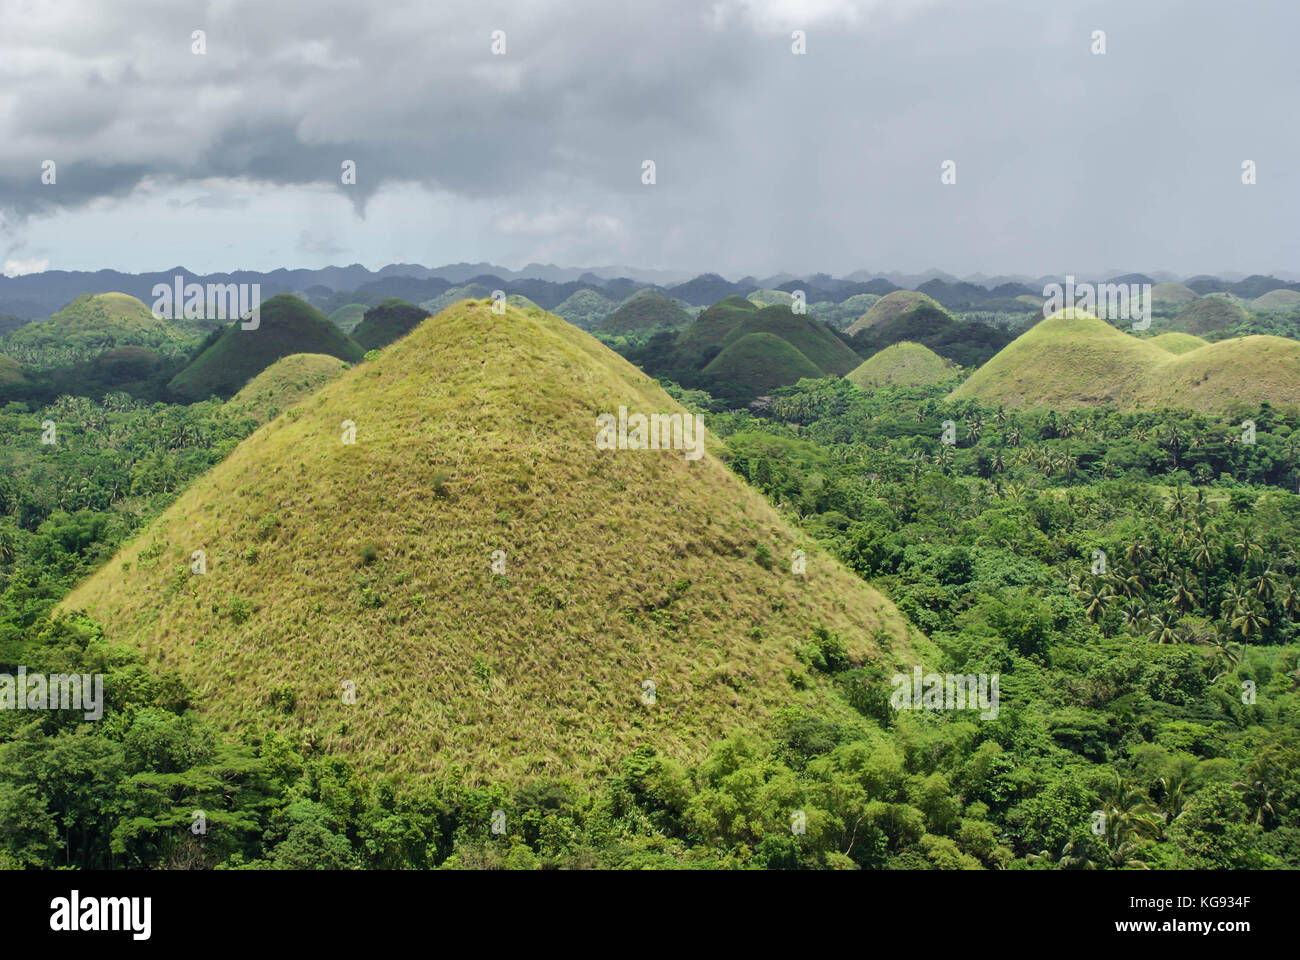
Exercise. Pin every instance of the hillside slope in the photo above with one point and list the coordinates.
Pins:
(286, 382)
(372, 564)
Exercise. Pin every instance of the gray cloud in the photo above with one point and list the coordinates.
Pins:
(766, 160)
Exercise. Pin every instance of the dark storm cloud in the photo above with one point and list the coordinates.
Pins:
(766, 160)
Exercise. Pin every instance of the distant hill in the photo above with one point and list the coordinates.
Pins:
(704, 289)
(648, 310)
(1208, 314)
(371, 568)
(965, 342)
(348, 316)
(1072, 359)
(286, 382)
(801, 331)
(892, 306)
(755, 364)
(903, 364)
(387, 322)
(287, 326)
(585, 308)
(770, 298)
(1176, 342)
(714, 325)
(470, 291)
(1172, 294)
(99, 322)
(1276, 301)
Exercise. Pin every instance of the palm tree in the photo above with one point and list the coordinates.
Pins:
(1173, 795)
(1234, 601)
(1250, 620)
(1094, 596)
(1262, 797)
(1163, 629)
(1248, 548)
(1133, 614)
(1181, 596)
(1290, 601)
(1265, 585)
(1225, 657)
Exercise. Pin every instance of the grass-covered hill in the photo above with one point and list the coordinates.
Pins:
(1069, 359)
(1208, 314)
(712, 327)
(1176, 342)
(1171, 294)
(645, 599)
(285, 383)
(237, 355)
(585, 308)
(101, 321)
(918, 319)
(1073, 359)
(1276, 301)
(348, 317)
(801, 331)
(903, 364)
(389, 321)
(1245, 371)
(891, 306)
(647, 310)
(755, 364)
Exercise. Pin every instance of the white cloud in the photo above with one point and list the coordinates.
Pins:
(18, 268)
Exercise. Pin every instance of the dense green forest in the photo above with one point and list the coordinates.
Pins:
(1154, 695)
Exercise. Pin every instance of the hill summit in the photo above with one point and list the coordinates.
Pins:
(429, 565)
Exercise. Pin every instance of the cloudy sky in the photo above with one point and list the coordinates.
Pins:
(765, 160)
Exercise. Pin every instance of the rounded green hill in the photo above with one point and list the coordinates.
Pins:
(1074, 361)
(287, 326)
(890, 306)
(1207, 315)
(389, 321)
(755, 364)
(646, 310)
(904, 364)
(1276, 301)
(102, 321)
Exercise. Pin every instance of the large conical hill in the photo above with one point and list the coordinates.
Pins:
(503, 598)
